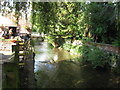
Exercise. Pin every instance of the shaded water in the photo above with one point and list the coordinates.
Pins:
(56, 68)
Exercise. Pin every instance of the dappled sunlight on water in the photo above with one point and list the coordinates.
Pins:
(56, 68)
(47, 55)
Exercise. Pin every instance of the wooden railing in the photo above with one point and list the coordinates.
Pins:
(26, 62)
(22, 46)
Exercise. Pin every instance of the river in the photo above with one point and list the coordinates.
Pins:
(56, 68)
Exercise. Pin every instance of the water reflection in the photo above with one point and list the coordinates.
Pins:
(46, 55)
(68, 74)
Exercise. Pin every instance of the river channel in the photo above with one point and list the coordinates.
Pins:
(56, 68)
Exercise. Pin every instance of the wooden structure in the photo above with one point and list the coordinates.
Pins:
(21, 60)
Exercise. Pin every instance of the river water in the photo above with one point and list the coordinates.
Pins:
(56, 68)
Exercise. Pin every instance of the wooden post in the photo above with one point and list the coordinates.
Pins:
(16, 58)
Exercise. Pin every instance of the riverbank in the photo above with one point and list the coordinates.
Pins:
(99, 55)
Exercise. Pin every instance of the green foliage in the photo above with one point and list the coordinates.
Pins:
(67, 45)
(85, 50)
(50, 38)
(50, 45)
(95, 21)
(98, 57)
(80, 20)
(116, 42)
(94, 55)
(44, 17)
(98, 21)
(77, 49)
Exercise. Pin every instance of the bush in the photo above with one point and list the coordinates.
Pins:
(94, 55)
(85, 50)
(67, 45)
(98, 57)
(116, 42)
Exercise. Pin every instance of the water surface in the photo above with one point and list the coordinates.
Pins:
(56, 68)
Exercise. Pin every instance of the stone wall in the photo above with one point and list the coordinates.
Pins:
(106, 47)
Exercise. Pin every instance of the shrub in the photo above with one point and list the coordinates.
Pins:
(92, 54)
(116, 42)
(98, 57)
(67, 46)
(85, 50)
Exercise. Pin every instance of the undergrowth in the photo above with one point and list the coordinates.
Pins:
(97, 57)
